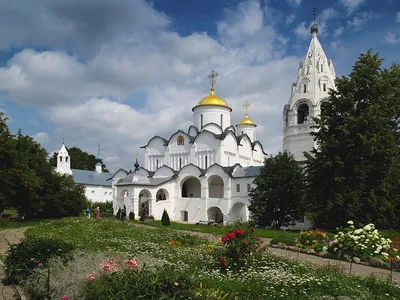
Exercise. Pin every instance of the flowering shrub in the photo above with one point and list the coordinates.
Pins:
(239, 245)
(132, 264)
(210, 293)
(172, 243)
(362, 243)
(315, 239)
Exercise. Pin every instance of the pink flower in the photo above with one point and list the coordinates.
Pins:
(109, 266)
(132, 264)
(64, 298)
(90, 276)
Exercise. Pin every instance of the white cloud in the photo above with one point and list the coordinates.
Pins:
(146, 84)
(42, 138)
(290, 18)
(360, 20)
(351, 5)
(294, 3)
(398, 17)
(392, 38)
(302, 30)
(338, 31)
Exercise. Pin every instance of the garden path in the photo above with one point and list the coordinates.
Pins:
(9, 237)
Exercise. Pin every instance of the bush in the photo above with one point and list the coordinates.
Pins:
(131, 215)
(164, 283)
(240, 246)
(165, 218)
(106, 208)
(32, 253)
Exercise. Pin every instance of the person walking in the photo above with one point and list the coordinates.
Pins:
(97, 213)
(88, 212)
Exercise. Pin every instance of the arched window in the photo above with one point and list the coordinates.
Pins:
(66, 159)
(201, 121)
(304, 88)
(324, 87)
(238, 188)
(222, 121)
(302, 114)
(180, 140)
(60, 158)
(322, 67)
(161, 195)
(248, 187)
(308, 70)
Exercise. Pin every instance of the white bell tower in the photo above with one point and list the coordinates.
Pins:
(63, 161)
(315, 77)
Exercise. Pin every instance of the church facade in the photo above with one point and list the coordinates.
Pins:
(203, 173)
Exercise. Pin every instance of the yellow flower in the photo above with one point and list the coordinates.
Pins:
(176, 283)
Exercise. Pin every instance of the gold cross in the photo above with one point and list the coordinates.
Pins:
(246, 106)
(212, 77)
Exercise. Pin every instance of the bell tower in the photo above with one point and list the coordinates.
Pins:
(63, 161)
(316, 75)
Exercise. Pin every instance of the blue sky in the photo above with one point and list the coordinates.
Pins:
(116, 73)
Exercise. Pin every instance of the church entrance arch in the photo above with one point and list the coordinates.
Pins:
(144, 202)
(215, 187)
(215, 214)
(184, 215)
(239, 212)
(191, 188)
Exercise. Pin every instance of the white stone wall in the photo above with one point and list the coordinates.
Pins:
(96, 193)
(212, 114)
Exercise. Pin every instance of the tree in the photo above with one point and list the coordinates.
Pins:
(7, 162)
(277, 198)
(80, 160)
(354, 172)
(165, 218)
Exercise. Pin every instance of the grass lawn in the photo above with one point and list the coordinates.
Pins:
(267, 277)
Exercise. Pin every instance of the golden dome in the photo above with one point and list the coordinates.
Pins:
(247, 121)
(212, 99)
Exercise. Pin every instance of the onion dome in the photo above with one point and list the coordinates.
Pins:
(98, 158)
(247, 121)
(212, 99)
(136, 165)
(314, 28)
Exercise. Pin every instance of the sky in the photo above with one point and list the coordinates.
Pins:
(117, 73)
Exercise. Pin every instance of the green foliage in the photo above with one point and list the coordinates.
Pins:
(32, 253)
(106, 208)
(240, 246)
(131, 215)
(165, 218)
(79, 159)
(166, 282)
(277, 198)
(354, 173)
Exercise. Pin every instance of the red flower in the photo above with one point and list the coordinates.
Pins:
(222, 261)
(252, 229)
(254, 248)
(223, 238)
(244, 242)
(257, 238)
(231, 235)
(239, 231)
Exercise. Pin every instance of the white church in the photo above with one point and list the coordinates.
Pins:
(206, 172)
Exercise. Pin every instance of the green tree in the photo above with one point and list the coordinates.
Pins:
(277, 198)
(354, 172)
(80, 160)
(165, 218)
(7, 163)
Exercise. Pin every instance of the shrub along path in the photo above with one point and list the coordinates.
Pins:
(356, 269)
(9, 237)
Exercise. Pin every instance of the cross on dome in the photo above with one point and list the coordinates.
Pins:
(246, 106)
(212, 77)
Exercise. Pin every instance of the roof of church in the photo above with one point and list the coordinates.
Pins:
(252, 171)
(91, 177)
(142, 180)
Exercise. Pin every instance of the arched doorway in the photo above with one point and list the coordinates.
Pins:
(215, 187)
(145, 202)
(191, 188)
(215, 214)
(184, 215)
(238, 212)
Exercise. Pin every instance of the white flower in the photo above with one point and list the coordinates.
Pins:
(384, 254)
(350, 222)
(367, 227)
(324, 248)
